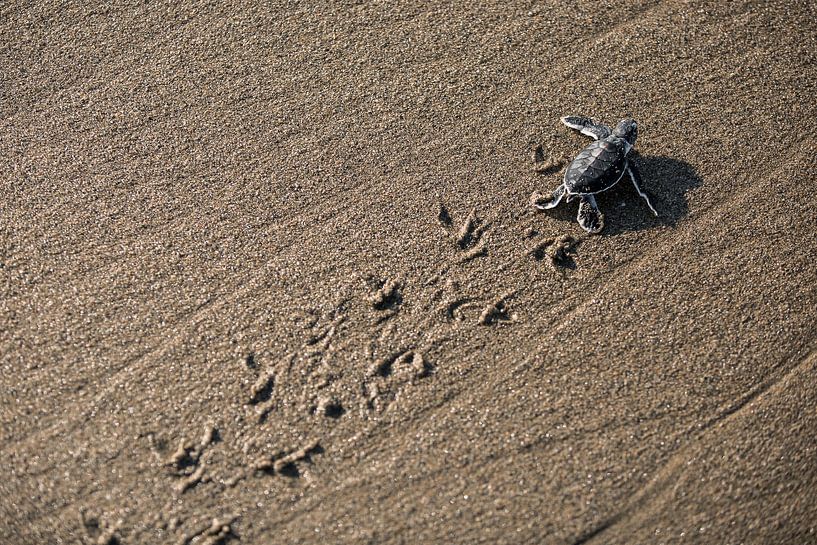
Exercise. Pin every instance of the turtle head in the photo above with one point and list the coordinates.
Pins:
(628, 130)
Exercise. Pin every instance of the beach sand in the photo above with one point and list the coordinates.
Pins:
(270, 274)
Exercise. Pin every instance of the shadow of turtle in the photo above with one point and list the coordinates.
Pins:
(665, 181)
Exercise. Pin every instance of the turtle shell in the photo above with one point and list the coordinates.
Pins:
(598, 167)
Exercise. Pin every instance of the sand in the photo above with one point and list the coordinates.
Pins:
(270, 274)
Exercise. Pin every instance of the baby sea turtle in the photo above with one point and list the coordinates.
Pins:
(598, 167)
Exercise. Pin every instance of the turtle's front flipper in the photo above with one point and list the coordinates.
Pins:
(587, 126)
(590, 217)
(635, 176)
(555, 199)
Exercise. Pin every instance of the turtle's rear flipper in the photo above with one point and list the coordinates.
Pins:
(636, 178)
(555, 199)
(587, 126)
(590, 217)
